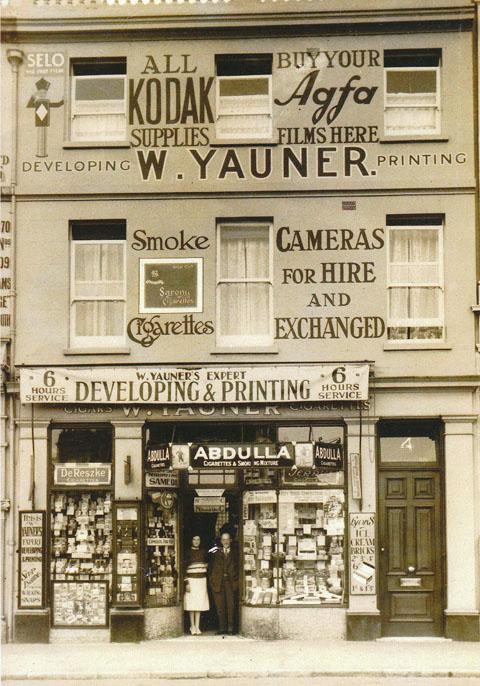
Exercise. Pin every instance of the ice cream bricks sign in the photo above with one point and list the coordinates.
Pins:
(212, 385)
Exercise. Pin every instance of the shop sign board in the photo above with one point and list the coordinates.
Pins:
(362, 553)
(209, 504)
(158, 456)
(242, 455)
(165, 479)
(176, 386)
(82, 474)
(31, 578)
(328, 457)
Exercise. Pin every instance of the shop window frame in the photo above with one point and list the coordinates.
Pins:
(413, 59)
(233, 342)
(100, 68)
(417, 222)
(433, 425)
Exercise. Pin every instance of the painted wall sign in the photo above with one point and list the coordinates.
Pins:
(244, 455)
(209, 504)
(171, 285)
(362, 553)
(5, 273)
(82, 474)
(31, 579)
(166, 479)
(218, 385)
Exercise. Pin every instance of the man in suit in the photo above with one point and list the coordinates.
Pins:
(223, 578)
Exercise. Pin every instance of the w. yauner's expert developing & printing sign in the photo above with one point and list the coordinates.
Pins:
(174, 386)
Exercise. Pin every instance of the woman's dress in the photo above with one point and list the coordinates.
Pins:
(196, 594)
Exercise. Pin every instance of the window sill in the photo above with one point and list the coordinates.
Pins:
(237, 143)
(247, 350)
(95, 144)
(414, 139)
(417, 345)
(96, 351)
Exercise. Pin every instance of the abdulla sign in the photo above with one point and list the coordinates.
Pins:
(177, 386)
(324, 457)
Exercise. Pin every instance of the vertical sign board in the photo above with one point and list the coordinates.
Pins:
(31, 577)
(362, 553)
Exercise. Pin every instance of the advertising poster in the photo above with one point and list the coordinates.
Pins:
(362, 553)
(31, 592)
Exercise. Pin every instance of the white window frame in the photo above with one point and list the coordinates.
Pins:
(96, 341)
(438, 322)
(78, 108)
(243, 341)
(412, 131)
(247, 135)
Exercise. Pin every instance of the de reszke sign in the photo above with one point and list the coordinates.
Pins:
(175, 386)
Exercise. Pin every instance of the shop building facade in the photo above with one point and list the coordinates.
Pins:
(244, 268)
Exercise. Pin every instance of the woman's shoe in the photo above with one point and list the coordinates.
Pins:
(192, 630)
(198, 632)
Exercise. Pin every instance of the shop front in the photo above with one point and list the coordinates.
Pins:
(336, 508)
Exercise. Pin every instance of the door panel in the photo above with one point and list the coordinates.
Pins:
(411, 564)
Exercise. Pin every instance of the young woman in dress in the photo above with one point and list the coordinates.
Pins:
(195, 599)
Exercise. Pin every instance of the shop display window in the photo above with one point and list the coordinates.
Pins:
(311, 476)
(80, 603)
(161, 583)
(293, 547)
(126, 587)
(81, 530)
(82, 444)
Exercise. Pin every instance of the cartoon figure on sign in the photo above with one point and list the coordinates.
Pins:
(41, 103)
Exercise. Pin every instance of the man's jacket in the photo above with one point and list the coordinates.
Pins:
(223, 567)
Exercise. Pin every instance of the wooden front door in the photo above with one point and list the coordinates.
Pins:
(411, 552)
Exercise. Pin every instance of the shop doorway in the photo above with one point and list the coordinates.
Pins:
(411, 552)
(209, 526)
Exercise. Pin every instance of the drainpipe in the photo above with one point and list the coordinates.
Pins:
(15, 59)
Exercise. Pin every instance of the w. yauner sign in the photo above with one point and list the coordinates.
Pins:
(176, 386)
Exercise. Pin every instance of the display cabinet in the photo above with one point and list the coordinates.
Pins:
(161, 583)
(127, 551)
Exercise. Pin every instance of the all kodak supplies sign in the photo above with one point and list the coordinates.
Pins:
(176, 386)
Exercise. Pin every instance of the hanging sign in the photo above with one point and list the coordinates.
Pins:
(165, 479)
(82, 474)
(242, 455)
(209, 504)
(176, 386)
(328, 457)
(31, 580)
(362, 553)
(158, 456)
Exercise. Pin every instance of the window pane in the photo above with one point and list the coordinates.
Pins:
(107, 88)
(413, 245)
(240, 87)
(244, 253)
(408, 449)
(244, 309)
(404, 333)
(411, 81)
(99, 269)
(82, 445)
(99, 318)
(98, 127)
(414, 303)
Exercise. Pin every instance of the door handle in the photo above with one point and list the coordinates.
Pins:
(411, 569)
(382, 550)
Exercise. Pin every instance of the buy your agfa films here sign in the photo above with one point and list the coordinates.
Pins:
(216, 385)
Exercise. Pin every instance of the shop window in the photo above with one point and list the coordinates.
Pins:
(98, 104)
(161, 584)
(244, 96)
(244, 284)
(409, 441)
(97, 306)
(310, 476)
(82, 444)
(412, 92)
(415, 277)
(293, 547)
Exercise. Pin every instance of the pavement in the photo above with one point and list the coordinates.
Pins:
(230, 657)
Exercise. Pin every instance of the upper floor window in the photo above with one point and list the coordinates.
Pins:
(244, 96)
(98, 104)
(244, 284)
(415, 277)
(412, 92)
(97, 303)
